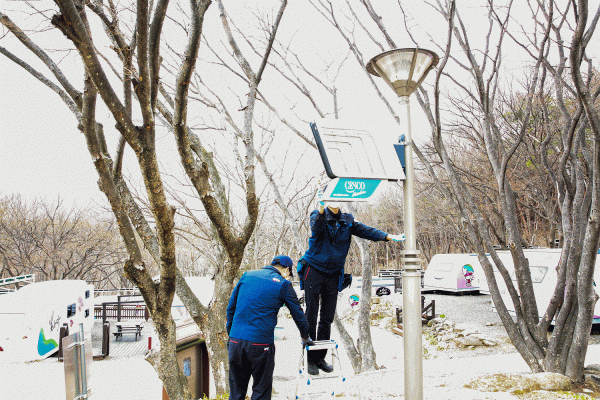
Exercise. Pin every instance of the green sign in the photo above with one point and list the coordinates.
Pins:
(354, 189)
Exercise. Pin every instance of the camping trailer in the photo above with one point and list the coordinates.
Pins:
(459, 273)
(31, 317)
(454, 273)
(543, 265)
(463, 273)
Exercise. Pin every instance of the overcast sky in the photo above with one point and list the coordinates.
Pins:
(42, 154)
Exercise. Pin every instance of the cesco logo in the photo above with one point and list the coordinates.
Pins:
(351, 186)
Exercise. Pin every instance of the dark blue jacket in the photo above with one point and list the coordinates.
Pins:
(255, 302)
(330, 239)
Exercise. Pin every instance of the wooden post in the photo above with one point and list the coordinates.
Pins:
(105, 338)
(119, 308)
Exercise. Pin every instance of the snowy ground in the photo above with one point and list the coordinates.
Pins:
(444, 373)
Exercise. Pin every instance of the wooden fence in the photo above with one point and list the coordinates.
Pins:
(121, 310)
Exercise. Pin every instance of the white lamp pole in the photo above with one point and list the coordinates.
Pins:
(404, 70)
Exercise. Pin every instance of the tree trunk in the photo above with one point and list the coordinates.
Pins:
(365, 343)
(363, 353)
(348, 342)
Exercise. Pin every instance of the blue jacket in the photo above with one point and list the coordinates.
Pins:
(255, 302)
(330, 239)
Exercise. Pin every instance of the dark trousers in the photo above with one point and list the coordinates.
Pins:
(250, 359)
(320, 295)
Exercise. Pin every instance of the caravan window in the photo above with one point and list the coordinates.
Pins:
(538, 273)
(71, 310)
(443, 267)
(87, 294)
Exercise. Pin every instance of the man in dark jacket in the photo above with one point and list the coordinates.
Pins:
(251, 319)
(322, 270)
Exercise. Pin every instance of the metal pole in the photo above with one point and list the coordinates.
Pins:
(408, 186)
(81, 364)
(411, 276)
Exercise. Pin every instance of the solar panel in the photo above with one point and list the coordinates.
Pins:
(353, 151)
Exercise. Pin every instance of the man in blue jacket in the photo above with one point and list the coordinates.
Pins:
(322, 270)
(251, 319)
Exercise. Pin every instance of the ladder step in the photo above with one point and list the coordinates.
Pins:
(310, 385)
(329, 376)
(323, 344)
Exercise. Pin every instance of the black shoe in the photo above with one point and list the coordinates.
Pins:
(322, 365)
(312, 368)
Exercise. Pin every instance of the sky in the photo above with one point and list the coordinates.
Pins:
(43, 154)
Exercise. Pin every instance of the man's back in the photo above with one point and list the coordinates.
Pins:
(255, 303)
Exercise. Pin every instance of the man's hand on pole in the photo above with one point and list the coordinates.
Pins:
(395, 238)
(320, 202)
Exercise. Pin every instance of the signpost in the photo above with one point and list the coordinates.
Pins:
(347, 189)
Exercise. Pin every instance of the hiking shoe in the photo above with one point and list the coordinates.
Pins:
(312, 368)
(322, 365)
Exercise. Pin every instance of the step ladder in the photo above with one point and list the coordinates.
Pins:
(324, 383)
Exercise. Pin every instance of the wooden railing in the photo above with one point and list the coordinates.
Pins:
(121, 310)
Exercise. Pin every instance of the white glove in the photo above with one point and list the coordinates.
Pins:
(396, 238)
(320, 202)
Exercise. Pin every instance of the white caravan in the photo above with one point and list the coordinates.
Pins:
(31, 317)
(463, 273)
(454, 273)
(543, 264)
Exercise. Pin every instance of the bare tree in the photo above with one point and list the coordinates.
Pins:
(57, 243)
(572, 304)
(474, 85)
(137, 35)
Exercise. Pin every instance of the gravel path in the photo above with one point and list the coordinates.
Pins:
(477, 310)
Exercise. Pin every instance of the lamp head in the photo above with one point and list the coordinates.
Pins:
(403, 69)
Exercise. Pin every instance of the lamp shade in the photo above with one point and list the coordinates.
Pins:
(403, 69)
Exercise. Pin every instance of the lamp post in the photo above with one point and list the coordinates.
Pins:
(404, 70)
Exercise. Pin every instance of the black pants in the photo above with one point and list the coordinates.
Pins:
(250, 359)
(320, 294)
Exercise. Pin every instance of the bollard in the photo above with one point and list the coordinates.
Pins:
(105, 339)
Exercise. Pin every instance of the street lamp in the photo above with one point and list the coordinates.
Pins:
(404, 70)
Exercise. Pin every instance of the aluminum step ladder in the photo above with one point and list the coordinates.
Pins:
(325, 383)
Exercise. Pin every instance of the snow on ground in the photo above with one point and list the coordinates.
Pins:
(116, 378)
(134, 378)
(444, 373)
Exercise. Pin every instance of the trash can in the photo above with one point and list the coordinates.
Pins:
(192, 357)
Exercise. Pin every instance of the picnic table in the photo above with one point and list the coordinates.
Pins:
(123, 328)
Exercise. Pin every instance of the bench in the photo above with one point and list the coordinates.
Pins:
(123, 329)
(427, 311)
